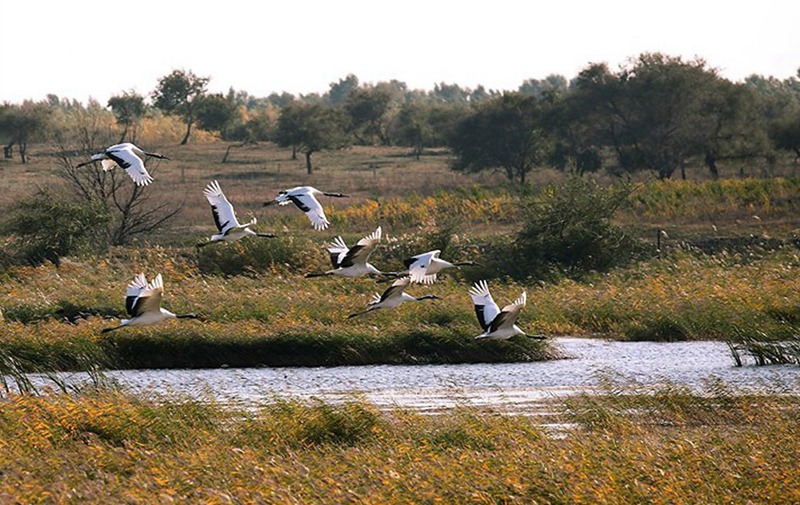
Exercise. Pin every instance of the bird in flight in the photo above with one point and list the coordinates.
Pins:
(304, 197)
(497, 324)
(394, 296)
(423, 267)
(352, 261)
(128, 157)
(143, 304)
(225, 218)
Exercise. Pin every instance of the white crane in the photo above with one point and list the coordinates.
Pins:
(394, 296)
(497, 324)
(225, 218)
(143, 304)
(304, 197)
(352, 261)
(128, 157)
(423, 267)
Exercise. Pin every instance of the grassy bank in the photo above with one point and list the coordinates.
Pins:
(53, 317)
(666, 447)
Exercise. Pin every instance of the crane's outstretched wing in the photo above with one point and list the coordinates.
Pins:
(338, 250)
(142, 296)
(136, 286)
(312, 208)
(418, 267)
(360, 252)
(221, 208)
(508, 316)
(395, 289)
(485, 307)
(124, 156)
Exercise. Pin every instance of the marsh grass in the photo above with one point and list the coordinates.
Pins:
(253, 297)
(275, 317)
(617, 445)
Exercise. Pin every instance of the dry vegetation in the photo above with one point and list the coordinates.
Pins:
(749, 288)
(670, 446)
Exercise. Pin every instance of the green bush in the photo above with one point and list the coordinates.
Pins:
(568, 230)
(254, 256)
(46, 227)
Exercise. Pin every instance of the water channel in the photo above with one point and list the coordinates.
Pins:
(511, 386)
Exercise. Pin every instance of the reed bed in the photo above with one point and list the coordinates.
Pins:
(55, 316)
(277, 317)
(667, 446)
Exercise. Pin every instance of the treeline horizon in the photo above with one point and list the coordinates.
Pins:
(654, 114)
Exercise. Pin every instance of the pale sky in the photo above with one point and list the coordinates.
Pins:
(79, 49)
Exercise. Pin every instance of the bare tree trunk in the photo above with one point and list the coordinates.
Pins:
(188, 132)
(711, 163)
(228, 150)
(124, 134)
(309, 168)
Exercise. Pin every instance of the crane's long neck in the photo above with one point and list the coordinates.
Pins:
(318, 274)
(337, 195)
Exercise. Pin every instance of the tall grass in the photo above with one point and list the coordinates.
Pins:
(670, 446)
(276, 317)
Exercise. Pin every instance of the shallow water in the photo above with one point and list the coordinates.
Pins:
(511, 386)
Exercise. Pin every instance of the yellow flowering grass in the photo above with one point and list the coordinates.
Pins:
(667, 447)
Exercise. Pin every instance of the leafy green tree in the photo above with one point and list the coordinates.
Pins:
(422, 122)
(22, 124)
(667, 104)
(785, 134)
(340, 91)
(588, 116)
(552, 84)
(481, 94)
(129, 109)
(217, 113)
(367, 109)
(778, 99)
(180, 94)
(310, 128)
(734, 128)
(450, 93)
(506, 133)
(412, 127)
(657, 112)
(280, 100)
(779, 106)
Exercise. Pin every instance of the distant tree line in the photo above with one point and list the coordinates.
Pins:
(655, 113)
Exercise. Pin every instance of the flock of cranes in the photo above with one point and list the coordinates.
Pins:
(143, 298)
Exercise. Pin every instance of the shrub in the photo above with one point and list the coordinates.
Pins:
(250, 256)
(568, 229)
(318, 423)
(47, 227)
